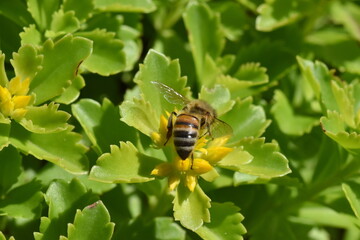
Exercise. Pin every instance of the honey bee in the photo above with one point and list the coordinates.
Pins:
(195, 120)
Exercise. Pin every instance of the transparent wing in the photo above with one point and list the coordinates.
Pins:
(170, 94)
(220, 128)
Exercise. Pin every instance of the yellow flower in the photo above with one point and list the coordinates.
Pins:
(13, 98)
(206, 154)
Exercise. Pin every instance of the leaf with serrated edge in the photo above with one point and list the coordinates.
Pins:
(166, 228)
(246, 119)
(123, 164)
(191, 208)
(225, 223)
(218, 97)
(287, 121)
(5, 128)
(142, 6)
(62, 148)
(72, 92)
(30, 35)
(26, 62)
(93, 222)
(45, 119)
(235, 159)
(82, 8)
(3, 77)
(10, 162)
(268, 162)
(351, 191)
(157, 67)
(60, 65)
(107, 56)
(62, 23)
(205, 35)
(140, 115)
(42, 11)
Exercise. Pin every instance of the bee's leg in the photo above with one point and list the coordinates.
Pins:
(192, 161)
(169, 127)
(208, 130)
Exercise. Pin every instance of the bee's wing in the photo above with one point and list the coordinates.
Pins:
(220, 128)
(170, 94)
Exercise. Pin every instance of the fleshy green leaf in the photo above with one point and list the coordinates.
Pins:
(62, 23)
(205, 37)
(45, 119)
(30, 35)
(246, 119)
(132, 45)
(278, 13)
(60, 64)
(235, 159)
(334, 126)
(140, 115)
(165, 228)
(158, 67)
(10, 162)
(71, 93)
(63, 199)
(91, 223)
(16, 11)
(287, 120)
(225, 223)
(107, 56)
(144, 6)
(102, 123)
(62, 148)
(23, 201)
(4, 132)
(26, 62)
(82, 8)
(268, 162)
(3, 77)
(352, 191)
(191, 208)
(123, 164)
(42, 11)
(218, 97)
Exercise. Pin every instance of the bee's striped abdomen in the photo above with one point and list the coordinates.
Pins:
(186, 130)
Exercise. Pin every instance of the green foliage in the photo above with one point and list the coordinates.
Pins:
(77, 91)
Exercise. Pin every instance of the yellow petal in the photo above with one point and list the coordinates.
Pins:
(182, 165)
(173, 182)
(21, 101)
(159, 138)
(14, 85)
(18, 87)
(191, 182)
(18, 113)
(5, 95)
(215, 154)
(217, 142)
(201, 166)
(7, 108)
(162, 170)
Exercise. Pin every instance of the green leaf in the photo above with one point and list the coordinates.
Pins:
(45, 119)
(158, 67)
(107, 56)
(205, 37)
(278, 13)
(351, 191)
(63, 199)
(225, 223)
(140, 115)
(4, 132)
(3, 77)
(123, 164)
(101, 123)
(288, 122)
(268, 162)
(235, 159)
(218, 97)
(16, 11)
(10, 162)
(72, 92)
(30, 35)
(334, 126)
(62, 148)
(347, 14)
(191, 208)
(246, 119)
(26, 63)
(143, 6)
(132, 45)
(60, 65)
(42, 11)
(82, 8)
(62, 23)
(165, 228)
(91, 223)
(23, 201)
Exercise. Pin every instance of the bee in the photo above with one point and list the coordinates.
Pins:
(195, 120)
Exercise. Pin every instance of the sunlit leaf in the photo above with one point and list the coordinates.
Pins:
(3, 77)
(30, 35)
(165, 228)
(145, 6)
(351, 191)
(82, 8)
(42, 11)
(218, 97)
(72, 92)
(26, 62)
(62, 23)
